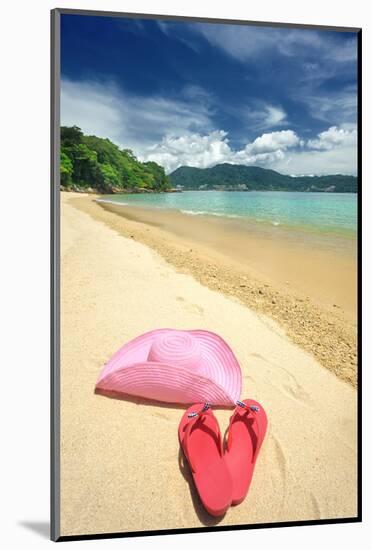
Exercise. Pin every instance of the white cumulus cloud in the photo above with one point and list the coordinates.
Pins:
(190, 150)
(268, 143)
(207, 150)
(334, 137)
(283, 151)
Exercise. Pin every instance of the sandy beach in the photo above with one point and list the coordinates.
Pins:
(309, 288)
(121, 466)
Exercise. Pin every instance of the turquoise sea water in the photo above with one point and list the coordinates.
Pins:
(329, 213)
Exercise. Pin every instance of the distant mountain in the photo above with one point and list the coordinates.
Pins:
(234, 177)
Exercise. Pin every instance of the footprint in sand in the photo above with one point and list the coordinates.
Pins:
(293, 388)
(297, 392)
(258, 356)
(193, 308)
(162, 416)
(280, 458)
(276, 465)
(315, 506)
(290, 386)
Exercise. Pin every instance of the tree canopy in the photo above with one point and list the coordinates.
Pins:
(90, 161)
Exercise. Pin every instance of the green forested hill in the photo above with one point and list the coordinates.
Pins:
(96, 163)
(235, 176)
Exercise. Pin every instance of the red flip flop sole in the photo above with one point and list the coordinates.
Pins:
(209, 470)
(245, 439)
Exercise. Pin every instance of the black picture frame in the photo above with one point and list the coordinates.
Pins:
(55, 276)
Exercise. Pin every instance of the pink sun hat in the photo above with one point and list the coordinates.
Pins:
(175, 366)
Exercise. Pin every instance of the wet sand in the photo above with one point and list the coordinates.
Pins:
(322, 268)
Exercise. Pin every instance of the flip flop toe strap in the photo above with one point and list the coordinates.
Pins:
(194, 418)
(247, 409)
(194, 414)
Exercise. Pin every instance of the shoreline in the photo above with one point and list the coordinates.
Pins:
(344, 239)
(114, 288)
(325, 328)
(274, 252)
(94, 191)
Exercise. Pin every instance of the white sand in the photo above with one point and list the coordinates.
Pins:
(120, 462)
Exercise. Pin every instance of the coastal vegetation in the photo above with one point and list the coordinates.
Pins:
(234, 177)
(90, 163)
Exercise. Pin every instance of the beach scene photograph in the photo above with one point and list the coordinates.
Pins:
(208, 274)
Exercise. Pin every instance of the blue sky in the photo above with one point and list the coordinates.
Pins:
(199, 94)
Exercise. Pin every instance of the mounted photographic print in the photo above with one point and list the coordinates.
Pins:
(205, 223)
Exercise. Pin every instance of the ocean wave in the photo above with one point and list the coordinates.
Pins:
(194, 212)
(207, 213)
(113, 202)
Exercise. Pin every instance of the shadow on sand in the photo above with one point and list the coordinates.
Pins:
(205, 518)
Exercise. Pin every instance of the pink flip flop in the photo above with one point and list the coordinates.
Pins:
(201, 441)
(247, 429)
